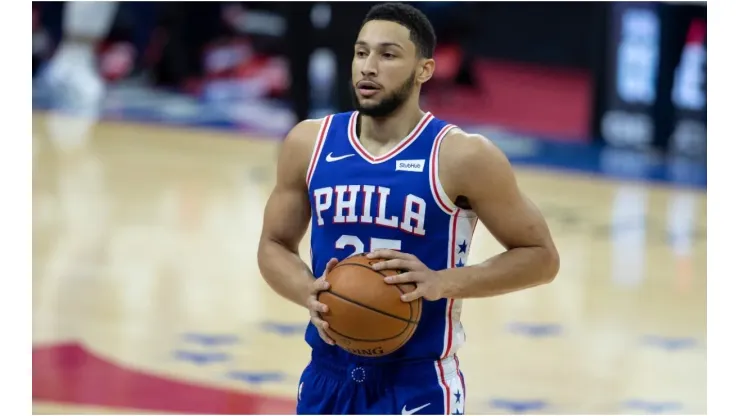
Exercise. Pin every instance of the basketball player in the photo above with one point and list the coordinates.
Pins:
(394, 180)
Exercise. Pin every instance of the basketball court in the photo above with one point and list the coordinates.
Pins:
(147, 297)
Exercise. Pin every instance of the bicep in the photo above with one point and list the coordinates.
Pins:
(513, 220)
(288, 211)
(286, 217)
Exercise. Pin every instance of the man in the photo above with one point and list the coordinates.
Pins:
(395, 181)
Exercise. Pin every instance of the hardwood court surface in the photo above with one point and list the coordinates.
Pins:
(147, 297)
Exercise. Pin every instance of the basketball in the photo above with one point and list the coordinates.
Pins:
(366, 315)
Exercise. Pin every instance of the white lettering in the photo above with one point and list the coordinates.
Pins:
(373, 206)
(409, 214)
(350, 240)
(322, 205)
(346, 204)
(381, 218)
(359, 246)
(384, 243)
(367, 199)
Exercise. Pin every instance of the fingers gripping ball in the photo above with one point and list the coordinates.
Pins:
(366, 315)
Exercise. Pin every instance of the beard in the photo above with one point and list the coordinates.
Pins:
(388, 105)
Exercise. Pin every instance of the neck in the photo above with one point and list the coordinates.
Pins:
(393, 127)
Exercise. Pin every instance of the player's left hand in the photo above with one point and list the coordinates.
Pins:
(429, 285)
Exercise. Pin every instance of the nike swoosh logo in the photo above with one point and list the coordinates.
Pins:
(330, 158)
(412, 411)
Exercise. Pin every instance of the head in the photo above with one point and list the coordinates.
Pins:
(392, 58)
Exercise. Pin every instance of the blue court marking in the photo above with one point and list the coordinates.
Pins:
(256, 377)
(200, 357)
(209, 340)
(518, 405)
(535, 330)
(652, 407)
(283, 328)
(669, 343)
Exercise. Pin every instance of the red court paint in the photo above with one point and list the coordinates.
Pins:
(70, 374)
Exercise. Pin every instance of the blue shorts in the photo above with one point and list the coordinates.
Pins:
(422, 388)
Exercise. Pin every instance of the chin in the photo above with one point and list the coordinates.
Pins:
(373, 99)
(366, 105)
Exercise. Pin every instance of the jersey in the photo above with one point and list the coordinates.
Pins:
(361, 202)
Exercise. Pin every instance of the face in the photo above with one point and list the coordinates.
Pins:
(386, 71)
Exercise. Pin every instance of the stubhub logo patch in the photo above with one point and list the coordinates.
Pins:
(411, 165)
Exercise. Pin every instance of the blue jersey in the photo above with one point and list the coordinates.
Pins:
(361, 202)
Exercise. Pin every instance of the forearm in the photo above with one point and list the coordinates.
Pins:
(516, 269)
(285, 272)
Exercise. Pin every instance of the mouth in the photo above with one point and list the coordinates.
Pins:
(367, 88)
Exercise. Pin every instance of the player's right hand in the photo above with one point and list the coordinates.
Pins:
(314, 306)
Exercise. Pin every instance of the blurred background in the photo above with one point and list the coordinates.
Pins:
(156, 126)
(625, 74)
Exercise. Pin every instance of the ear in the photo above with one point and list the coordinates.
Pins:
(425, 70)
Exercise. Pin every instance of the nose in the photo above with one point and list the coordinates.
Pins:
(369, 67)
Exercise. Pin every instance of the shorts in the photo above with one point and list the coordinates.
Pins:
(422, 388)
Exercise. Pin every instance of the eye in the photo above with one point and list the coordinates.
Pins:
(388, 55)
(361, 54)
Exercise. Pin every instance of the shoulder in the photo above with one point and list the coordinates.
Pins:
(467, 151)
(302, 140)
(304, 133)
(297, 149)
(463, 154)
(299, 143)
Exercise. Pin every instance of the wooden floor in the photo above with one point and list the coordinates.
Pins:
(144, 263)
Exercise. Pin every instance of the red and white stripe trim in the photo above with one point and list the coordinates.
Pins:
(317, 147)
(459, 373)
(462, 227)
(403, 144)
(440, 197)
(450, 381)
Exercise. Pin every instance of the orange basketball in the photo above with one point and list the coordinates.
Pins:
(366, 315)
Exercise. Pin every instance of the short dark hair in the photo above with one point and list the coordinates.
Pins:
(420, 28)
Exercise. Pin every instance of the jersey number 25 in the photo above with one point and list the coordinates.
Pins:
(359, 246)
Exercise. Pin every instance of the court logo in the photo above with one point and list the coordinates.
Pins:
(416, 165)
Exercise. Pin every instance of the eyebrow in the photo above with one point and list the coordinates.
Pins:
(383, 44)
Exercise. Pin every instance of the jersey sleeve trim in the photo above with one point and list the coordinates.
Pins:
(440, 197)
(317, 147)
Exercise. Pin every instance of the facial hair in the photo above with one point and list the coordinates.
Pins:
(387, 105)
